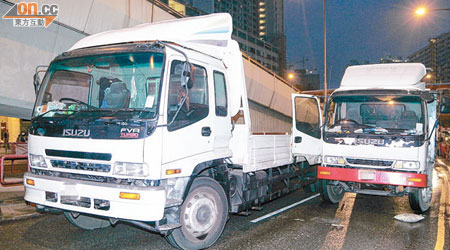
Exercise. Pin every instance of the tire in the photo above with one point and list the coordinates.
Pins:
(87, 222)
(420, 200)
(313, 187)
(331, 193)
(203, 215)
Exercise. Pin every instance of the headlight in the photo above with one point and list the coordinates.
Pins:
(130, 169)
(406, 165)
(37, 161)
(337, 160)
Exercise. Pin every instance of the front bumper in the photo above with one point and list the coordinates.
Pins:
(372, 176)
(149, 207)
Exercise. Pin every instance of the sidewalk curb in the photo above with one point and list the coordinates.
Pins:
(20, 217)
(16, 209)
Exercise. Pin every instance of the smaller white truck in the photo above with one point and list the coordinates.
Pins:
(378, 137)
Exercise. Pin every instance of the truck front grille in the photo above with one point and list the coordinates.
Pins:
(79, 154)
(95, 178)
(87, 166)
(377, 163)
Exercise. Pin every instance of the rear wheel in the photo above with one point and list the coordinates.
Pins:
(331, 193)
(86, 222)
(203, 216)
(420, 200)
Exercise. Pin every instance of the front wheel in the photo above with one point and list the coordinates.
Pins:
(86, 222)
(420, 199)
(203, 216)
(331, 193)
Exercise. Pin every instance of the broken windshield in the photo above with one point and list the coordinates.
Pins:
(103, 84)
(375, 114)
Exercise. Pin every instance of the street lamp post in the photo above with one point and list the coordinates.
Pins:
(324, 52)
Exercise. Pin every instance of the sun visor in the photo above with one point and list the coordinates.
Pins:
(212, 30)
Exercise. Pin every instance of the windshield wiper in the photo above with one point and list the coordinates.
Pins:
(375, 130)
(55, 110)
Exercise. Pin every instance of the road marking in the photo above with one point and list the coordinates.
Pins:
(336, 237)
(283, 209)
(440, 237)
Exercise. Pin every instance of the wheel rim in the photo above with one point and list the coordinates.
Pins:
(336, 189)
(200, 214)
(426, 195)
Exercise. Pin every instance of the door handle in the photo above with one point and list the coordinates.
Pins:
(206, 131)
(297, 139)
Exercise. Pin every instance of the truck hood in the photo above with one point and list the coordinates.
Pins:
(372, 152)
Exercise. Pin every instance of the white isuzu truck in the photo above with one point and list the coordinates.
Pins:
(378, 137)
(153, 125)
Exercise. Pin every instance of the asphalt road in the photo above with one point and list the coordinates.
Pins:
(358, 222)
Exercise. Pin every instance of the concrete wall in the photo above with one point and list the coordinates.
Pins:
(265, 120)
(22, 49)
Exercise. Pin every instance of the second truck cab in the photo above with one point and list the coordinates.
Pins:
(378, 135)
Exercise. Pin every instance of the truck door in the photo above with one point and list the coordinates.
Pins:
(187, 141)
(222, 125)
(431, 109)
(306, 132)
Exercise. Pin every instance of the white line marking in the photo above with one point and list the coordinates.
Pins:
(283, 209)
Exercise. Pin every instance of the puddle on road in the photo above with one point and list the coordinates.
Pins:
(329, 221)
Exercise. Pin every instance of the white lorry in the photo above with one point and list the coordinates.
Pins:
(152, 125)
(378, 137)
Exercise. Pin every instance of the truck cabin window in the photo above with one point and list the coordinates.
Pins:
(195, 107)
(307, 116)
(121, 83)
(375, 115)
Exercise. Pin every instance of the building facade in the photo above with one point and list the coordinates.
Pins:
(391, 59)
(258, 26)
(436, 55)
(305, 79)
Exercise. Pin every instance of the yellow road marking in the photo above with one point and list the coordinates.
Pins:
(336, 236)
(444, 201)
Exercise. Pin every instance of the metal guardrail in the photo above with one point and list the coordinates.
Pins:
(13, 148)
(12, 158)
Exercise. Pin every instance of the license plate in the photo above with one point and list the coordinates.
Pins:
(69, 190)
(366, 174)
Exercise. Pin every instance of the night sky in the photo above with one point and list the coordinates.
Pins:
(358, 30)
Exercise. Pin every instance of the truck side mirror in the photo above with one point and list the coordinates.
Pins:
(36, 78)
(36, 83)
(188, 75)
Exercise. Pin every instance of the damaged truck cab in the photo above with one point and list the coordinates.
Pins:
(378, 135)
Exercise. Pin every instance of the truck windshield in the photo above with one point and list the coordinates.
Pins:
(375, 115)
(126, 82)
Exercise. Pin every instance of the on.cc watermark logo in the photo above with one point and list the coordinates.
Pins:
(28, 14)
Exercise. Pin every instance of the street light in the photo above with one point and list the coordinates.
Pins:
(290, 77)
(422, 10)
